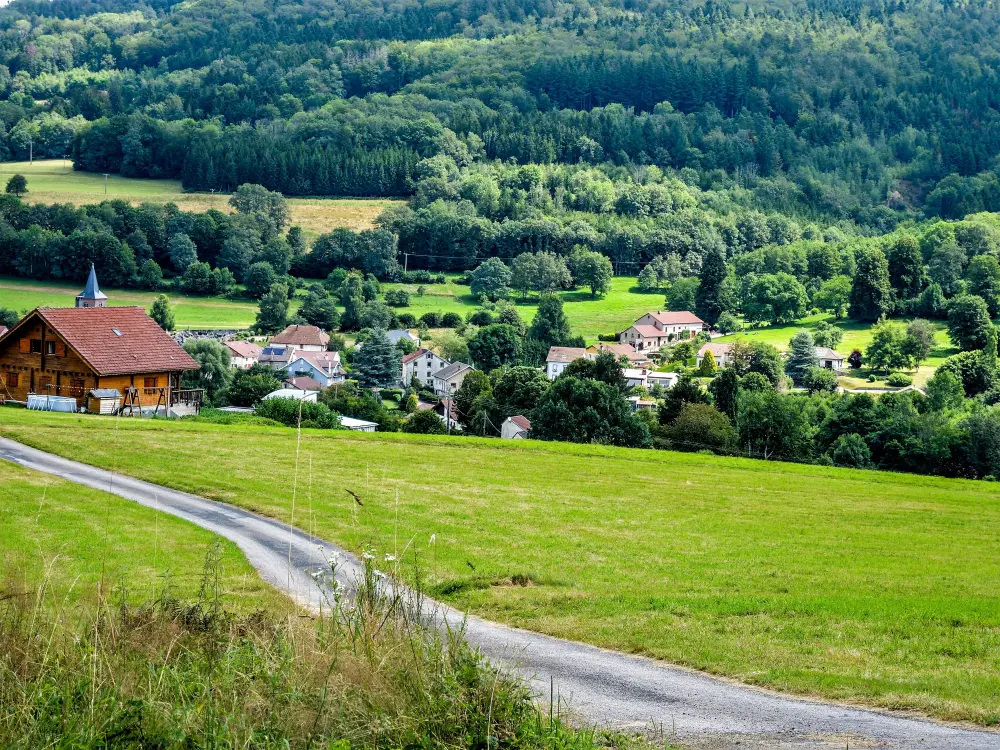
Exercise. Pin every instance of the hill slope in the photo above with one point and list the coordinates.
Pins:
(852, 585)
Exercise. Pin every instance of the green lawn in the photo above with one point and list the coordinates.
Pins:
(191, 312)
(862, 586)
(76, 541)
(587, 315)
(856, 336)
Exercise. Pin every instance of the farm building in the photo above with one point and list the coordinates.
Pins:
(656, 329)
(515, 428)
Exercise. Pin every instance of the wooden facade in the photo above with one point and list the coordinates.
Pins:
(36, 359)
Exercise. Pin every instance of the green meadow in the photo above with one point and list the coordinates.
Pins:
(70, 545)
(589, 316)
(190, 312)
(867, 587)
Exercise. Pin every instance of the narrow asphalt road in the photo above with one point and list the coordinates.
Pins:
(600, 687)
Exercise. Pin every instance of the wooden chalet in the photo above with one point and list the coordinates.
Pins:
(71, 352)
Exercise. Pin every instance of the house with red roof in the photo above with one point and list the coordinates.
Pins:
(515, 428)
(70, 352)
(656, 329)
(302, 339)
(243, 354)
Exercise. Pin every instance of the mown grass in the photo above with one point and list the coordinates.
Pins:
(588, 316)
(861, 586)
(75, 544)
(55, 181)
(124, 627)
(856, 336)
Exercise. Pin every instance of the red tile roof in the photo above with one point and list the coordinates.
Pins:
(413, 355)
(244, 348)
(650, 332)
(302, 336)
(564, 354)
(117, 340)
(304, 384)
(676, 318)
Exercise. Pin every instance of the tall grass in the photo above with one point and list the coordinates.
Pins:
(172, 674)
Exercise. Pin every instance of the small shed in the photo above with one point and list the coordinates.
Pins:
(358, 425)
(103, 401)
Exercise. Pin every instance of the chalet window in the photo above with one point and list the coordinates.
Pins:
(36, 346)
(55, 348)
(12, 380)
(149, 385)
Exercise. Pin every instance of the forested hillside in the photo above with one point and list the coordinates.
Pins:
(828, 111)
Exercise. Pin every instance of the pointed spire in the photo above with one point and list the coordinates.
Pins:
(91, 296)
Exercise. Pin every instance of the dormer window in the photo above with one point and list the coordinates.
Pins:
(116, 332)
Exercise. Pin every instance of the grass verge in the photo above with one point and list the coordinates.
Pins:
(869, 587)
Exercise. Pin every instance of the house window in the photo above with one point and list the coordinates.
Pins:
(149, 386)
(12, 380)
(36, 346)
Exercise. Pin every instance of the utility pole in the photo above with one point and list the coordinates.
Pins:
(106, 183)
(31, 151)
(406, 261)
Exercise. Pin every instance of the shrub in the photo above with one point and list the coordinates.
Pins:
(431, 320)
(424, 423)
(899, 380)
(481, 318)
(406, 320)
(397, 298)
(287, 411)
(451, 320)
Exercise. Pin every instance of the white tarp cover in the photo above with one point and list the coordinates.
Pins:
(41, 402)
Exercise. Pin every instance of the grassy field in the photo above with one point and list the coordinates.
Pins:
(856, 336)
(77, 541)
(55, 181)
(190, 312)
(860, 586)
(588, 316)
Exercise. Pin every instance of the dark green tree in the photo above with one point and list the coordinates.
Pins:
(685, 391)
(162, 313)
(969, 324)
(259, 279)
(871, 293)
(906, 267)
(272, 312)
(550, 326)
(587, 411)
(377, 363)
(710, 299)
(318, 309)
(984, 281)
(725, 390)
(495, 346)
(801, 357)
(214, 373)
(17, 185)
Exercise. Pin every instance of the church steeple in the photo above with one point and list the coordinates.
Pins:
(91, 296)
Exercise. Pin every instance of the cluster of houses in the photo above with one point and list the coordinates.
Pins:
(118, 360)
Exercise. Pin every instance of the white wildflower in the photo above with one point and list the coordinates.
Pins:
(390, 558)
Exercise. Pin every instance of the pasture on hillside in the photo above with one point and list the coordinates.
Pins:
(588, 316)
(862, 586)
(856, 336)
(55, 181)
(190, 311)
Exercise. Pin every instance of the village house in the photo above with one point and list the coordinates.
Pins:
(422, 365)
(515, 428)
(303, 338)
(243, 354)
(656, 329)
(67, 353)
(620, 351)
(449, 379)
(722, 353)
(635, 377)
(401, 334)
(322, 367)
(829, 359)
(559, 357)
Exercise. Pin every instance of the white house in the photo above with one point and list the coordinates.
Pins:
(664, 379)
(358, 425)
(723, 354)
(635, 359)
(656, 329)
(559, 357)
(422, 365)
(829, 359)
(449, 379)
(243, 354)
(515, 428)
(323, 367)
(302, 339)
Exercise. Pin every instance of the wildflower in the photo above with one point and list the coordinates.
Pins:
(366, 555)
(390, 558)
(433, 540)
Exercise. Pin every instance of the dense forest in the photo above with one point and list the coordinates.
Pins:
(862, 113)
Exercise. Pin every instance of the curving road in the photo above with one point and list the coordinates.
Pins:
(601, 687)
